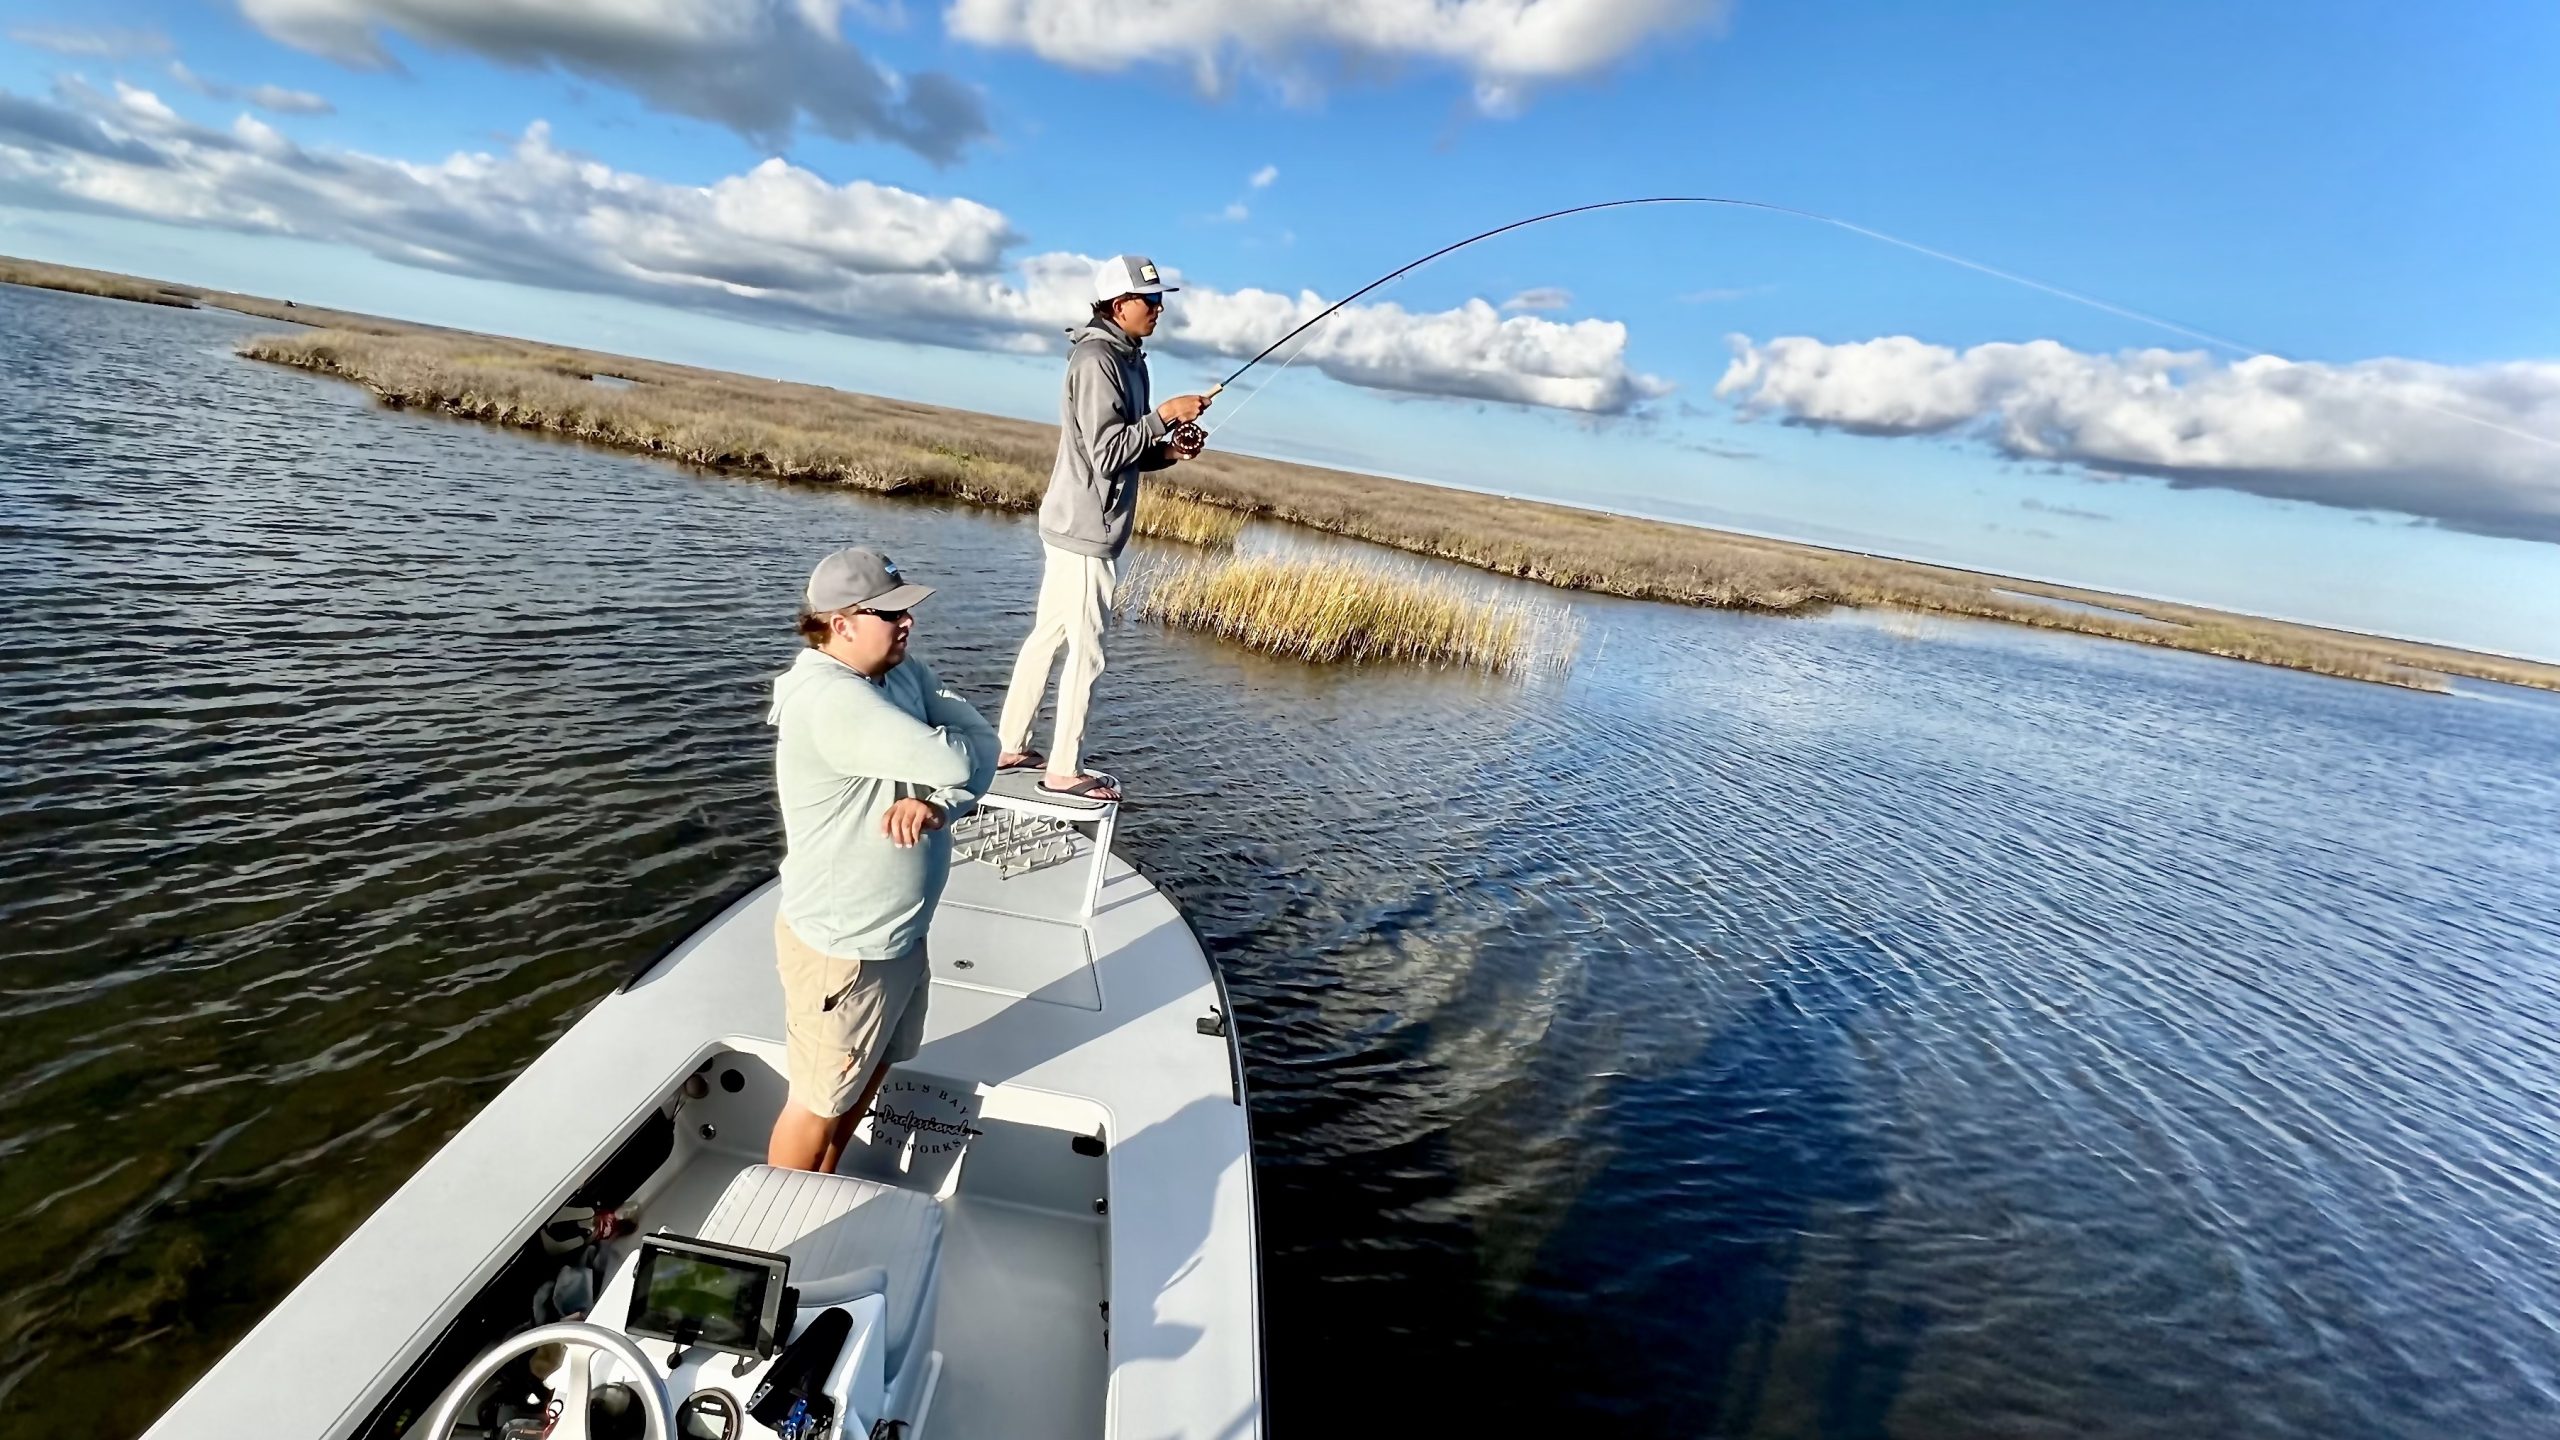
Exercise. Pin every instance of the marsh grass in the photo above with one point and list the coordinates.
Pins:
(1168, 516)
(1330, 610)
(731, 422)
(76, 281)
(810, 433)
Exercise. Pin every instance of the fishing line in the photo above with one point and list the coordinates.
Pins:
(1253, 394)
(1192, 432)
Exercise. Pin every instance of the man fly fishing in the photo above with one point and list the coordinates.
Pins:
(1107, 436)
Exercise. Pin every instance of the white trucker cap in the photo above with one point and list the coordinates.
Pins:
(1128, 275)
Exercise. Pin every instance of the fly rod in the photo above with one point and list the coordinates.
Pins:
(1191, 435)
(1410, 266)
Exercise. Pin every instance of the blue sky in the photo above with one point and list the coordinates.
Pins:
(2372, 191)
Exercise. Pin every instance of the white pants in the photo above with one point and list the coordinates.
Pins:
(1075, 595)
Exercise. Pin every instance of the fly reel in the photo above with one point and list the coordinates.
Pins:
(1185, 436)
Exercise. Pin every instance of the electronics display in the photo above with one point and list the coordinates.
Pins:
(696, 1292)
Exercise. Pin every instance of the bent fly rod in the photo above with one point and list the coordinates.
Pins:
(1190, 434)
(1410, 266)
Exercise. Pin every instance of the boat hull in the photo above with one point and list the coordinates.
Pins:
(1077, 1108)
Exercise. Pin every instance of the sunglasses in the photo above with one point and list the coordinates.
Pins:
(1152, 302)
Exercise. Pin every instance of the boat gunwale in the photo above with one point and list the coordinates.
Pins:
(712, 912)
(1252, 1171)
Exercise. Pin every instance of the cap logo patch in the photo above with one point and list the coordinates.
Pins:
(1147, 273)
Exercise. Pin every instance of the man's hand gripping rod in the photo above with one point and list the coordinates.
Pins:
(1186, 436)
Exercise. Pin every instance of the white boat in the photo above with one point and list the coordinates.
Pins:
(1045, 1228)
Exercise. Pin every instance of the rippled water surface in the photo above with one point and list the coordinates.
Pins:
(1770, 1028)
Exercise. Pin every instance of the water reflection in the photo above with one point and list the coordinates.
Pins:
(1769, 1027)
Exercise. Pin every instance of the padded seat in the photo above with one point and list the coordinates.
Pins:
(833, 1227)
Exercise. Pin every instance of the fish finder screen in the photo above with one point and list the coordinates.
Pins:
(699, 1299)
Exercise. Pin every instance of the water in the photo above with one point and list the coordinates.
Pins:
(1771, 1028)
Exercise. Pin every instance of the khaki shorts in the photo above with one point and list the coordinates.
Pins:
(843, 1018)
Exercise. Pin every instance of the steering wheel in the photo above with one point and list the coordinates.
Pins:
(570, 1386)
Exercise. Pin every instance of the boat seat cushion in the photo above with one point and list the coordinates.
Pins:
(832, 1227)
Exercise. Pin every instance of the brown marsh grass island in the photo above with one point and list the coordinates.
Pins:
(894, 447)
(809, 432)
(75, 281)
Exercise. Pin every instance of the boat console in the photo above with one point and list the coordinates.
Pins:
(694, 1293)
(805, 1308)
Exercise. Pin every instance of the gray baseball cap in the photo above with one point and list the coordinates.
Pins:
(862, 578)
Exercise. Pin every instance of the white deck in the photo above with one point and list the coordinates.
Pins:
(1046, 1014)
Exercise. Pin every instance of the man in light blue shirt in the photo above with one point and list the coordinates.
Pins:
(872, 760)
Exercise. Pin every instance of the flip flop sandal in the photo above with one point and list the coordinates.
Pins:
(1083, 789)
(1031, 760)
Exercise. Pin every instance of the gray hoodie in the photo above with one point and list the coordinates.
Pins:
(1108, 431)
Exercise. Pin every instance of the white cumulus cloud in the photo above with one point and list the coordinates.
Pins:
(776, 244)
(763, 68)
(107, 43)
(1263, 177)
(1505, 46)
(273, 98)
(288, 102)
(1472, 352)
(2474, 447)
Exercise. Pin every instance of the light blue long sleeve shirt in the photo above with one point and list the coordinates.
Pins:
(847, 748)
